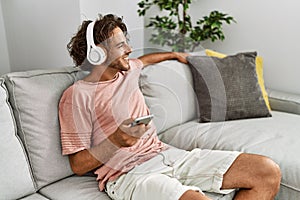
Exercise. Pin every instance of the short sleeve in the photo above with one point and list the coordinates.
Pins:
(75, 124)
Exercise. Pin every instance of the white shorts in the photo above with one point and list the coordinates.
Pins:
(171, 173)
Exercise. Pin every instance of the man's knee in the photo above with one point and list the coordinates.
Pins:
(259, 171)
(270, 173)
(257, 176)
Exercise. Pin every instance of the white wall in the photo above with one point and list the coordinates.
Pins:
(4, 58)
(90, 9)
(269, 27)
(37, 32)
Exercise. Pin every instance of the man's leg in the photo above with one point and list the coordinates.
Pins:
(257, 176)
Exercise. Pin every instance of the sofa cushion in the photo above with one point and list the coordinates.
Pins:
(168, 90)
(75, 188)
(34, 96)
(276, 137)
(15, 174)
(259, 71)
(227, 88)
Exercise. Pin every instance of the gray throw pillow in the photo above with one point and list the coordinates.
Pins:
(227, 88)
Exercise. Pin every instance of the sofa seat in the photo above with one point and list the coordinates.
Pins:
(276, 137)
(74, 188)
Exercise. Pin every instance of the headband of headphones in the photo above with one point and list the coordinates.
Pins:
(96, 55)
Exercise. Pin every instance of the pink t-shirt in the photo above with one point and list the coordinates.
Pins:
(90, 112)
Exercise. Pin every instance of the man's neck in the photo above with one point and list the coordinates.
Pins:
(101, 73)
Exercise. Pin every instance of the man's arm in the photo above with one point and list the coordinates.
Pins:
(89, 159)
(152, 58)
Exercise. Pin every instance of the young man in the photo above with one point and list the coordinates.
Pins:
(130, 161)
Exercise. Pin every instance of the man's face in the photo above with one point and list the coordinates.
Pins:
(118, 51)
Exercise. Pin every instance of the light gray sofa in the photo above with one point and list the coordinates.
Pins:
(31, 164)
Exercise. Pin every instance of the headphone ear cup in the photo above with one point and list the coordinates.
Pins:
(97, 55)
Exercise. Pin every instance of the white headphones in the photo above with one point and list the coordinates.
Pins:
(95, 55)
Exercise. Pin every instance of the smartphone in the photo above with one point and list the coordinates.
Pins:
(142, 120)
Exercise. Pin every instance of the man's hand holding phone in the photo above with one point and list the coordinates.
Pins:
(131, 130)
(138, 126)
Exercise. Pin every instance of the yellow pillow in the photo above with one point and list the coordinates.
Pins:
(259, 72)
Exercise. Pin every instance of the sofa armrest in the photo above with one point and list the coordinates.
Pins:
(284, 101)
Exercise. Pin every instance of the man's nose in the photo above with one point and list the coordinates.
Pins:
(128, 48)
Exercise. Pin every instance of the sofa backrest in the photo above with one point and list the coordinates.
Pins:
(34, 97)
(15, 173)
(168, 90)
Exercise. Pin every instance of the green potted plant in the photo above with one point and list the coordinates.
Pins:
(176, 29)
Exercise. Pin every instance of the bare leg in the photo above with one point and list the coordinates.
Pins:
(257, 176)
(193, 195)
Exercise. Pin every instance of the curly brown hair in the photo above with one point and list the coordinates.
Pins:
(103, 28)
